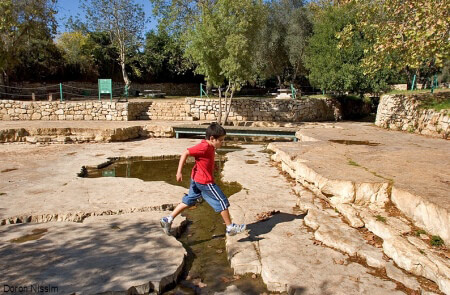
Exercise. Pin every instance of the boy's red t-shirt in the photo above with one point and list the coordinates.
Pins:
(203, 171)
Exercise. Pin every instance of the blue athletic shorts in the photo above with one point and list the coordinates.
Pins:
(211, 193)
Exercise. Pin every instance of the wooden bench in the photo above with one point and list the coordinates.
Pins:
(151, 93)
(238, 131)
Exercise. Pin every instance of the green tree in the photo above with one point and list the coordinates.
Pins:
(221, 43)
(272, 56)
(333, 66)
(103, 54)
(24, 24)
(74, 47)
(404, 34)
(123, 20)
(299, 31)
(178, 15)
(164, 56)
(283, 40)
(38, 59)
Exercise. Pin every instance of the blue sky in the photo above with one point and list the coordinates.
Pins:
(67, 8)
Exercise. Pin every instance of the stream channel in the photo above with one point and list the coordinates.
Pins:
(207, 269)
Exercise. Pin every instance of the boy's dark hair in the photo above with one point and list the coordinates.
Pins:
(215, 130)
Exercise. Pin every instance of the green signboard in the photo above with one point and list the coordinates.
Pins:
(109, 173)
(104, 87)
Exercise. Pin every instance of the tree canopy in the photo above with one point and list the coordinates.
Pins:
(26, 27)
(336, 45)
(221, 43)
(405, 34)
(333, 66)
(123, 20)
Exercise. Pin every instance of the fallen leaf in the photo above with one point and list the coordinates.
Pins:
(266, 215)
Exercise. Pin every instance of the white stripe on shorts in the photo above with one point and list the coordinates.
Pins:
(216, 194)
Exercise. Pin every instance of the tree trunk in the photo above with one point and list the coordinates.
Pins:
(219, 120)
(279, 81)
(228, 101)
(124, 74)
(229, 107)
(4, 81)
(122, 60)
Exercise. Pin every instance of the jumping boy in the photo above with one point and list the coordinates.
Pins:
(202, 181)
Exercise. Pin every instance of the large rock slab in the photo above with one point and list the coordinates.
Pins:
(282, 248)
(40, 183)
(103, 254)
(359, 163)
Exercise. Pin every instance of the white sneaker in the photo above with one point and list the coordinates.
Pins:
(166, 225)
(236, 229)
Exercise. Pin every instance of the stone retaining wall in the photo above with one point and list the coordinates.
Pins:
(279, 110)
(190, 109)
(11, 110)
(161, 110)
(402, 112)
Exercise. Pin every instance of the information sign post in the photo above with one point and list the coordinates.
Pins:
(104, 87)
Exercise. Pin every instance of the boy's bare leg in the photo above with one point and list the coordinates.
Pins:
(178, 209)
(226, 216)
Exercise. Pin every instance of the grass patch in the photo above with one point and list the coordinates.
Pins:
(381, 218)
(420, 232)
(415, 91)
(436, 104)
(353, 163)
(436, 241)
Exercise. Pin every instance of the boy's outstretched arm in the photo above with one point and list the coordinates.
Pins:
(183, 158)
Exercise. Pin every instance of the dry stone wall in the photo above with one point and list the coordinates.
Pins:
(11, 110)
(275, 110)
(402, 112)
(161, 110)
(280, 110)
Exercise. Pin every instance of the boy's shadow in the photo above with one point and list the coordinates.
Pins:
(263, 227)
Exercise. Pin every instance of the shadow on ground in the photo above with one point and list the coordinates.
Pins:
(259, 228)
